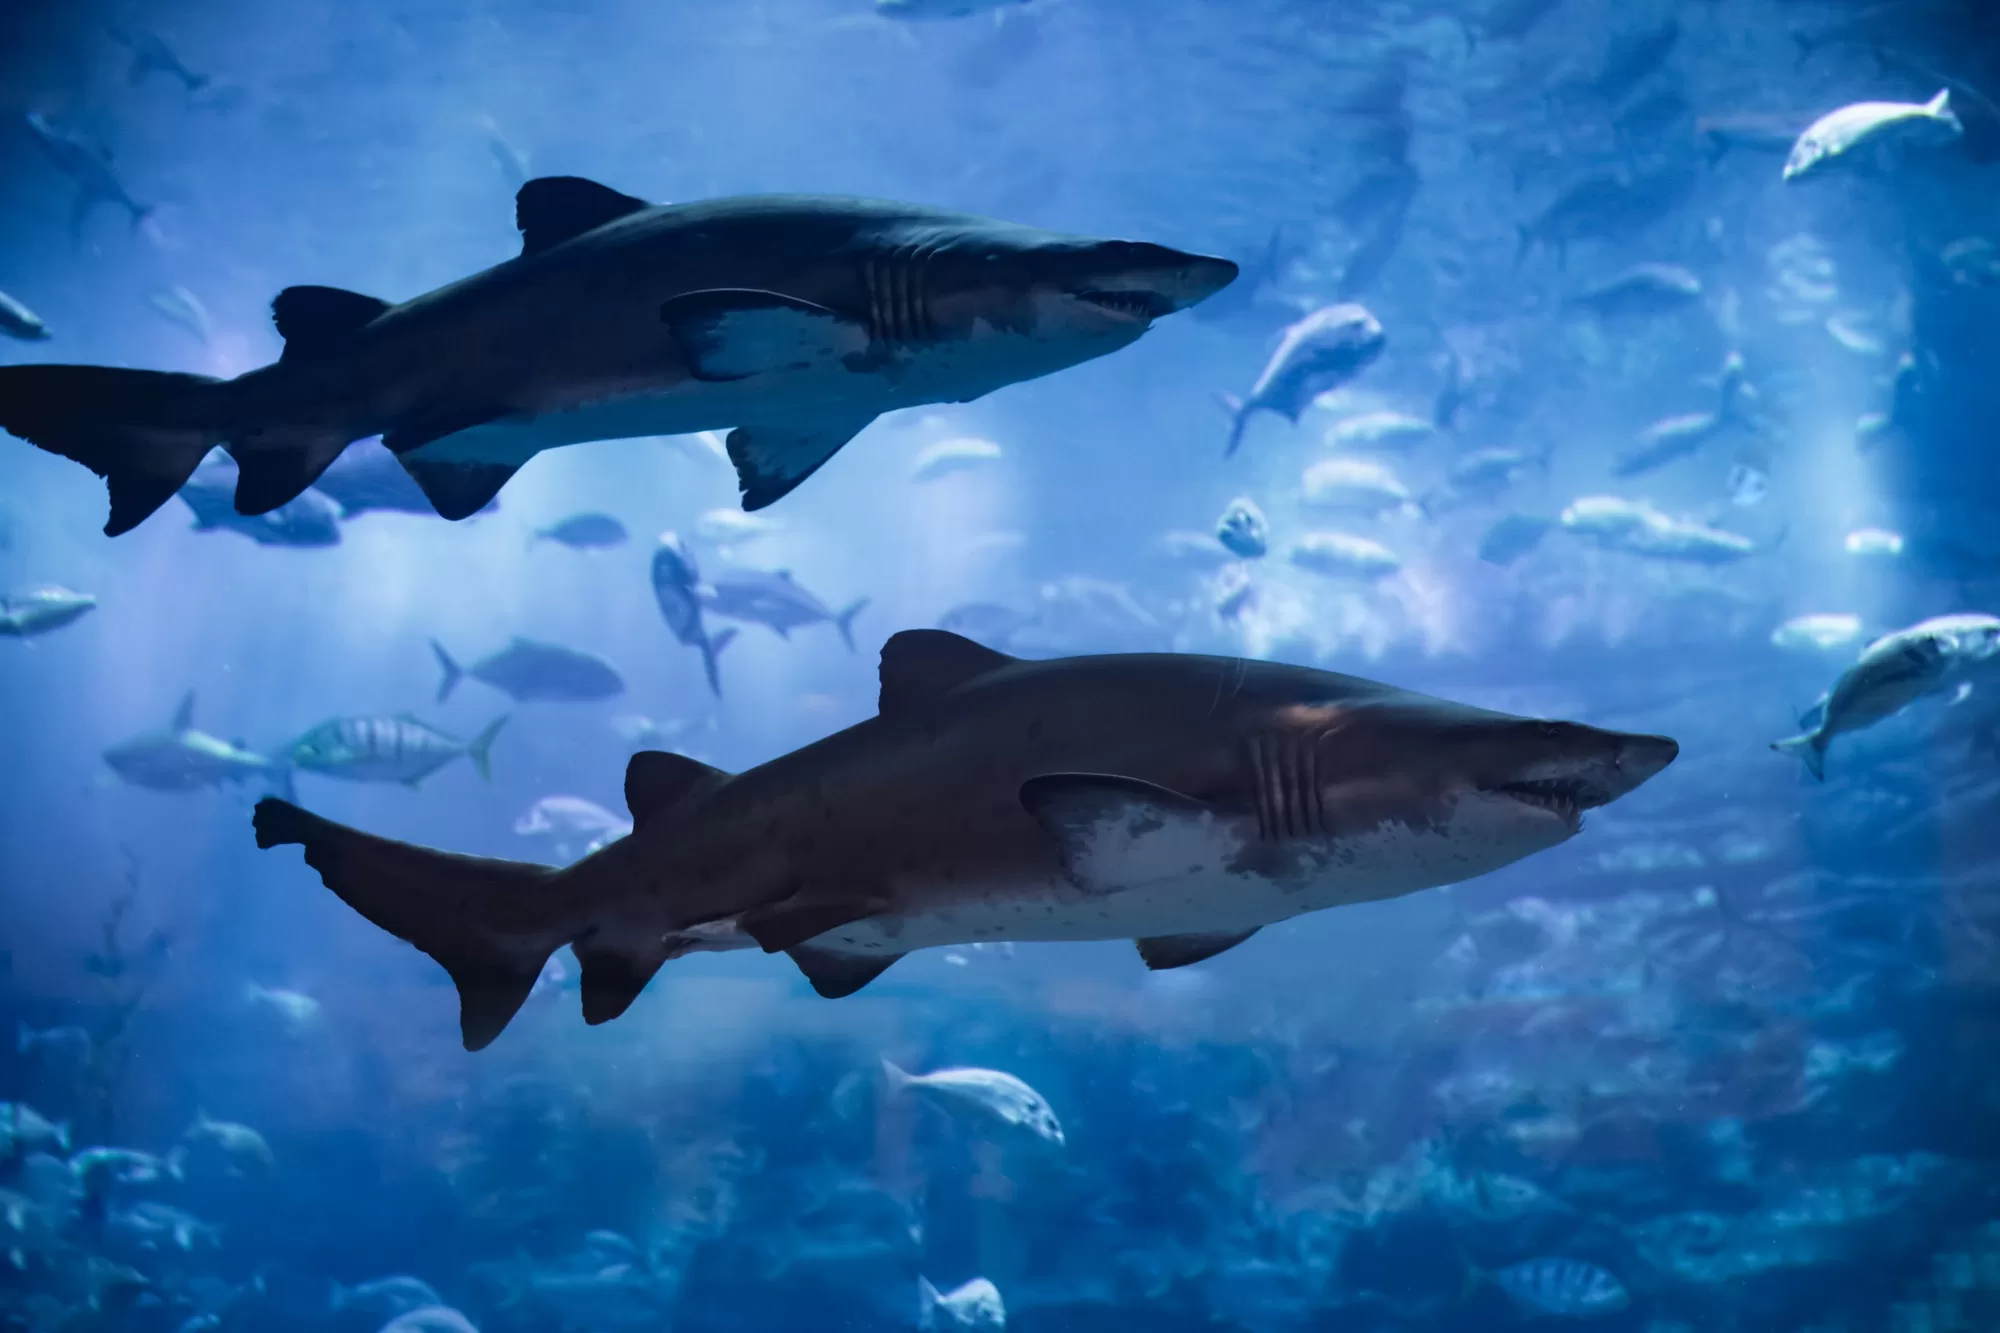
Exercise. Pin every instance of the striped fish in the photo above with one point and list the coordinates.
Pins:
(388, 749)
(1565, 1287)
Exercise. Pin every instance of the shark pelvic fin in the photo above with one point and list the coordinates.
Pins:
(612, 979)
(552, 209)
(656, 781)
(771, 460)
(1167, 951)
(783, 926)
(835, 976)
(458, 490)
(919, 665)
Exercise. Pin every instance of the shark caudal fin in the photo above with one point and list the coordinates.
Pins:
(844, 622)
(491, 924)
(711, 651)
(1808, 749)
(143, 431)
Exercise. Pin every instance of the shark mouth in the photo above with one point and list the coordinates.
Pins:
(1137, 305)
(1564, 797)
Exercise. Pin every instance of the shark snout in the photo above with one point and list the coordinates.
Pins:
(1156, 279)
(1638, 759)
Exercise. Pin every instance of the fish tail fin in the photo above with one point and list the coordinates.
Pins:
(176, 1162)
(929, 1298)
(1939, 106)
(62, 1135)
(844, 621)
(894, 1075)
(1239, 417)
(143, 431)
(452, 672)
(480, 751)
(1809, 748)
(1807, 45)
(711, 650)
(491, 924)
(1523, 245)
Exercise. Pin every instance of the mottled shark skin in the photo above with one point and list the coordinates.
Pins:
(1177, 800)
(794, 319)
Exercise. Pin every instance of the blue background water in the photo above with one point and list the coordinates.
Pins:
(1742, 1026)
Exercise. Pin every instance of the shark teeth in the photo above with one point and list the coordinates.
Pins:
(1135, 305)
(1567, 797)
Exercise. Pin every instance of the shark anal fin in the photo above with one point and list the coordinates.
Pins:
(458, 490)
(1168, 951)
(313, 319)
(1115, 832)
(784, 925)
(657, 780)
(731, 333)
(552, 209)
(919, 665)
(771, 460)
(612, 979)
(835, 976)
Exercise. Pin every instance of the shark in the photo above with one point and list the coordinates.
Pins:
(791, 320)
(1178, 800)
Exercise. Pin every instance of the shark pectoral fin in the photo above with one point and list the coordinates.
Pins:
(732, 333)
(656, 780)
(1166, 951)
(552, 209)
(1115, 832)
(771, 460)
(835, 976)
(919, 665)
(612, 979)
(314, 319)
(458, 490)
(783, 926)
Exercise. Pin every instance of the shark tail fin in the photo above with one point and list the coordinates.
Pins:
(143, 431)
(453, 672)
(1239, 417)
(480, 750)
(844, 622)
(1809, 749)
(491, 924)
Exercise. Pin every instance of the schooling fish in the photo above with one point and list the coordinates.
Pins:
(584, 532)
(17, 321)
(1838, 133)
(775, 599)
(388, 749)
(1179, 800)
(89, 169)
(1318, 354)
(179, 758)
(796, 319)
(26, 612)
(988, 1099)
(680, 594)
(530, 671)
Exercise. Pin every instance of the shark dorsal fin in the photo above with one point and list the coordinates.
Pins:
(552, 209)
(313, 319)
(656, 781)
(920, 664)
(184, 715)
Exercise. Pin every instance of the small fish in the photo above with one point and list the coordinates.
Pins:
(678, 590)
(1484, 472)
(70, 1047)
(1820, 632)
(1667, 440)
(983, 1098)
(731, 527)
(1850, 329)
(1243, 530)
(98, 1170)
(157, 1227)
(584, 532)
(1318, 354)
(1877, 543)
(1354, 486)
(1747, 485)
(1945, 654)
(309, 520)
(1381, 431)
(17, 321)
(151, 55)
(26, 612)
(383, 1298)
(1838, 133)
(570, 821)
(774, 599)
(975, 1307)
(949, 457)
(1512, 537)
(1971, 261)
(388, 749)
(1642, 291)
(1344, 555)
(241, 1149)
(182, 307)
(295, 1009)
(179, 758)
(531, 671)
(1567, 1288)
(89, 169)
(23, 1130)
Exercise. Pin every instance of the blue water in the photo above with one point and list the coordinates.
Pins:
(1730, 1049)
